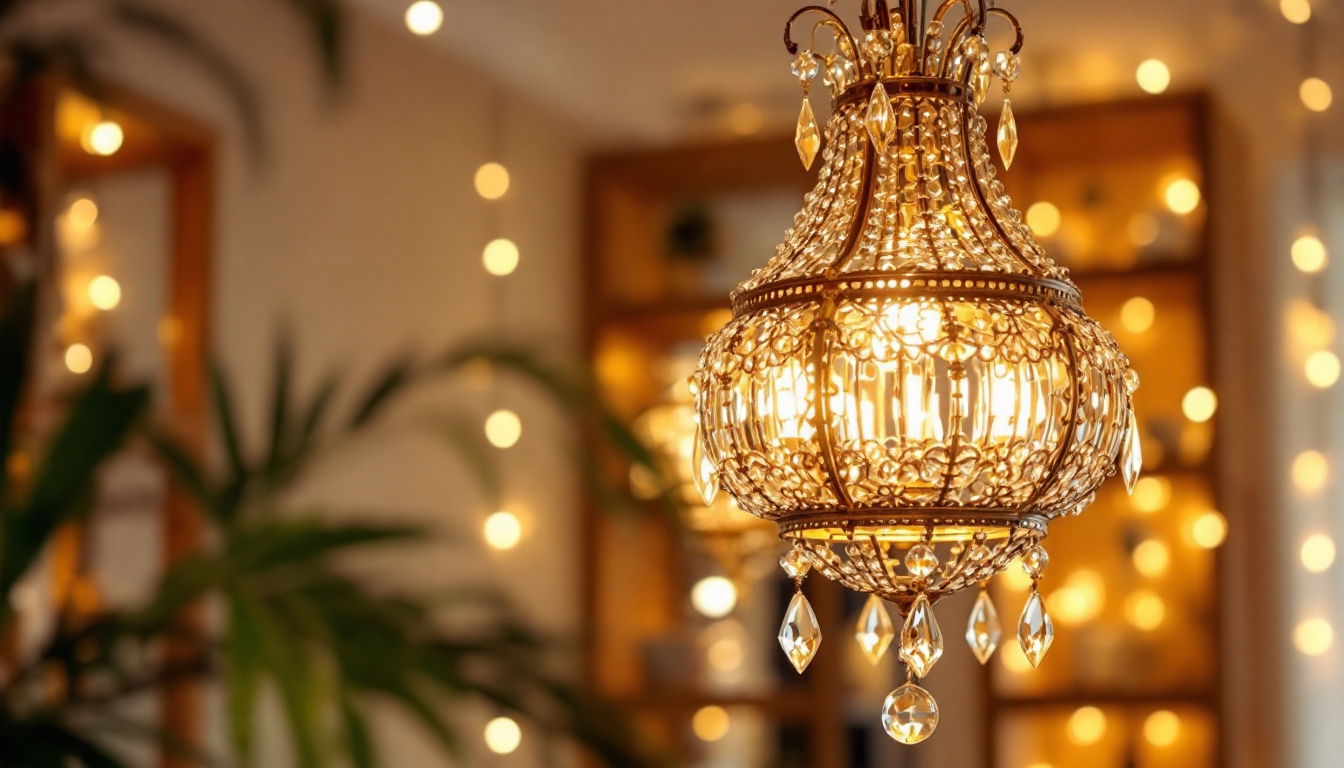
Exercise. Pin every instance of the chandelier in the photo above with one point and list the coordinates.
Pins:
(910, 388)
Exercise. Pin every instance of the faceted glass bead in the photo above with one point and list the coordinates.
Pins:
(706, 477)
(807, 138)
(910, 714)
(1131, 455)
(983, 630)
(1007, 134)
(795, 563)
(877, 46)
(800, 634)
(839, 72)
(1006, 66)
(921, 639)
(1035, 630)
(805, 67)
(1035, 560)
(921, 561)
(875, 630)
(881, 119)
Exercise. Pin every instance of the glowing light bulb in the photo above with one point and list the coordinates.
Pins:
(104, 292)
(502, 735)
(1311, 469)
(500, 257)
(1145, 610)
(1152, 558)
(492, 181)
(714, 597)
(1162, 728)
(503, 530)
(1043, 218)
(78, 358)
(503, 428)
(1153, 76)
(1199, 404)
(1295, 11)
(1316, 94)
(1137, 315)
(1209, 530)
(1322, 369)
(102, 138)
(1313, 637)
(1182, 196)
(711, 723)
(1318, 553)
(1087, 726)
(1309, 254)
(424, 17)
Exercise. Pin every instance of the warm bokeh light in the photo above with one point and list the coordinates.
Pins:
(1043, 218)
(1316, 94)
(1162, 728)
(1199, 404)
(102, 138)
(1137, 314)
(502, 735)
(1322, 369)
(1014, 578)
(1145, 610)
(746, 119)
(1153, 76)
(492, 181)
(1087, 726)
(503, 428)
(711, 723)
(104, 292)
(1151, 494)
(1318, 553)
(1143, 230)
(1014, 661)
(503, 530)
(13, 226)
(714, 597)
(1209, 530)
(78, 358)
(1182, 196)
(1314, 637)
(82, 214)
(1080, 599)
(1311, 469)
(1309, 254)
(424, 17)
(725, 655)
(500, 257)
(1296, 11)
(1152, 558)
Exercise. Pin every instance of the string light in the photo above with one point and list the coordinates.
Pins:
(1162, 728)
(102, 138)
(1182, 196)
(1296, 11)
(1152, 558)
(1151, 494)
(104, 292)
(1322, 369)
(1087, 726)
(503, 530)
(1318, 553)
(1316, 94)
(1209, 530)
(1313, 637)
(714, 597)
(503, 428)
(492, 181)
(78, 358)
(1310, 471)
(1309, 254)
(1137, 315)
(1153, 76)
(502, 735)
(1199, 404)
(1145, 610)
(711, 723)
(424, 17)
(500, 257)
(1044, 218)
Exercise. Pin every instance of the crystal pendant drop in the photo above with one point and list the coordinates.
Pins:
(921, 639)
(1131, 456)
(807, 138)
(881, 119)
(1007, 66)
(800, 635)
(983, 630)
(910, 714)
(875, 631)
(1035, 631)
(1007, 134)
(795, 563)
(705, 476)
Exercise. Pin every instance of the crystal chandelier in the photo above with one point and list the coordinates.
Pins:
(910, 388)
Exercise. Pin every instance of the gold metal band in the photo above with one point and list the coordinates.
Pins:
(954, 285)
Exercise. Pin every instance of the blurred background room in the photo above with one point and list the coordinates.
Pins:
(343, 373)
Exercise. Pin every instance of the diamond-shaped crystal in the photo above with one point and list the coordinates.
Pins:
(1007, 134)
(921, 639)
(983, 630)
(921, 561)
(1007, 66)
(1035, 560)
(705, 476)
(800, 634)
(805, 67)
(910, 714)
(796, 563)
(881, 119)
(807, 138)
(1035, 630)
(1131, 455)
(875, 630)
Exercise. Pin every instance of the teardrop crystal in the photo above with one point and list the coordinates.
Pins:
(1131, 456)
(881, 119)
(910, 714)
(706, 477)
(921, 639)
(875, 630)
(1007, 134)
(1035, 631)
(983, 630)
(800, 634)
(807, 138)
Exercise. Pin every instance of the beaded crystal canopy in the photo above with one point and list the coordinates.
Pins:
(910, 388)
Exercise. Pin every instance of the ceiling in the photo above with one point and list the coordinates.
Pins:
(646, 72)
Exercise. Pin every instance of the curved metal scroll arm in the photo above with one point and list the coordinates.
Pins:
(829, 19)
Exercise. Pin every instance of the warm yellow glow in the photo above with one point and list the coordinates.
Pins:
(1153, 76)
(1014, 660)
(1199, 404)
(13, 226)
(503, 428)
(82, 214)
(78, 358)
(1040, 765)
(725, 655)
(714, 597)
(104, 292)
(711, 723)
(1209, 530)
(1318, 553)
(1145, 610)
(1322, 369)
(1309, 254)
(1043, 218)
(1296, 11)
(1162, 728)
(1152, 558)
(1151, 494)
(1182, 196)
(102, 138)
(492, 181)
(500, 257)
(502, 735)
(424, 17)
(1314, 637)
(1137, 314)
(746, 119)
(1311, 469)
(1316, 94)
(503, 530)
(1087, 726)
(1143, 230)
(1080, 599)
(1015, 578)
